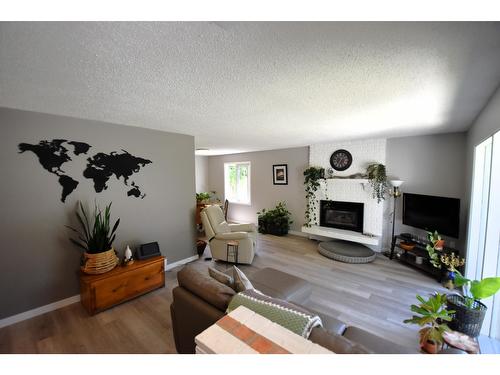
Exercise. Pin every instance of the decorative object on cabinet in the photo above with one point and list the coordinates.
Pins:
(148, 250)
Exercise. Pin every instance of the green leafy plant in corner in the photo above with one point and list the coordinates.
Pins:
(312, 178)
(476, 290)
(275, 221)
(434, 248)
(377, 176)
(431, 314)
(200, 197)
(96, 235)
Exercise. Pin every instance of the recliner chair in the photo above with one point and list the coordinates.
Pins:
(219, 233)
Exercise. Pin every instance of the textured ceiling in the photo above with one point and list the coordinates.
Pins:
(259, 85)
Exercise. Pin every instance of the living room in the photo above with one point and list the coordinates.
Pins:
(250, 187)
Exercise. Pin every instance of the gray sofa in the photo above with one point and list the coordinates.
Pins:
(199, 301)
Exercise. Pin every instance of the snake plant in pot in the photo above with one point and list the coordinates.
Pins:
(470, 311)
(96, 238)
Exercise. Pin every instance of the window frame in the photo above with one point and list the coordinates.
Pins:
(249, 184)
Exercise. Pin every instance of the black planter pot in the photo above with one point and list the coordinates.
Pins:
(466, 320)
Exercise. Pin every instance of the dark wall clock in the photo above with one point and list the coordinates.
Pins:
(341, 160)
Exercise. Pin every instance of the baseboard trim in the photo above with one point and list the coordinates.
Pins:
(168, 267)
(38, 311)
(298, 233)
(68, 301)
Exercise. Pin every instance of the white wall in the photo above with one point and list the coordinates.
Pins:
(263, 193)
(201, 172)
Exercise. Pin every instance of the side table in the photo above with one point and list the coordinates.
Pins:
(232, 250)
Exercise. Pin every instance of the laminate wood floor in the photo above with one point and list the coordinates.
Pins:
(374, 296)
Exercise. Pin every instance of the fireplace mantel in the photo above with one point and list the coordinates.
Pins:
(342, 234)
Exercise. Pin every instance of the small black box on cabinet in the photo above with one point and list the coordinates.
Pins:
(148, 250)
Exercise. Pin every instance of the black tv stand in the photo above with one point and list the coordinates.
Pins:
(408, 257)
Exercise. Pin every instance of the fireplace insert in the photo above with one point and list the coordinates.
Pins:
(341, 215)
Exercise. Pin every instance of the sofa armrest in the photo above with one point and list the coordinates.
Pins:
(231, 236)
(243, 227)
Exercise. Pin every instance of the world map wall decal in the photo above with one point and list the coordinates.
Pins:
(53, 154)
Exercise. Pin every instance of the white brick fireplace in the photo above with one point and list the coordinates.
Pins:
(363, 153)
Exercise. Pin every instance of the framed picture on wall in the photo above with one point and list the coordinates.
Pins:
(280, 174)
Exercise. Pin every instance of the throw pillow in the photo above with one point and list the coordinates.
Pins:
(221, 277)
(241, 282)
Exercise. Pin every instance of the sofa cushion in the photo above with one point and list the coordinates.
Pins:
(221, 277)
(241, 282)
(375, 343)
(282, 285)
(195, 278)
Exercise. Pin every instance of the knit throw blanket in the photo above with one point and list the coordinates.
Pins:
(287, 315)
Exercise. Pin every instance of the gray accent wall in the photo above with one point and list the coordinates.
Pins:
(39, 265)
(263, 193)
(431, 165)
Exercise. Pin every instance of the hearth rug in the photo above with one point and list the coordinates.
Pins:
(287, 315)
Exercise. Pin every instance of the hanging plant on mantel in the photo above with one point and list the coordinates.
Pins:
(377, 176)
(312, 182)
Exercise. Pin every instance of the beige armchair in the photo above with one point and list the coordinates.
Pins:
(219, 232)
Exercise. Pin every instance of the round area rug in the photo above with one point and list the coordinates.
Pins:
(347, 252)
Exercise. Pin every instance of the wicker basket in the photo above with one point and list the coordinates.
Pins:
(99, 263)
(466, 320)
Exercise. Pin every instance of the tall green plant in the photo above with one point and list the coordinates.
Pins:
(312, 177)
(431, 314)
(475, 290)
(378, 180)
(96, 235)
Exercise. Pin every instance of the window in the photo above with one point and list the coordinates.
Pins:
(483, 250)
(237, 182)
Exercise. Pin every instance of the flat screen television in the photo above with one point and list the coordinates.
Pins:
(432, 213)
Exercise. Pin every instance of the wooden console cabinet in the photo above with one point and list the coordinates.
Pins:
(100, 292)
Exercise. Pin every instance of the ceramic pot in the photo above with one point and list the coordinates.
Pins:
(439, 245)
(431, 347)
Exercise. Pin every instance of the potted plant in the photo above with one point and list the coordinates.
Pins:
(431, 315)
(470, 311)
(96, 239)
(312, 177)
(434, 248)
(202, 197)
(276, 221)
(377, 176)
